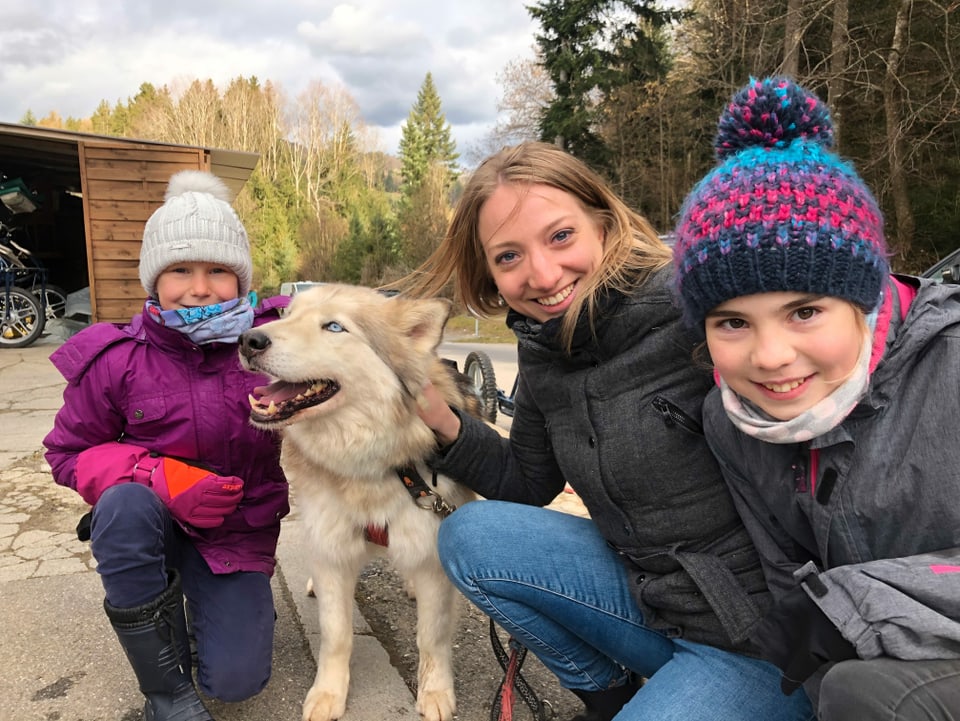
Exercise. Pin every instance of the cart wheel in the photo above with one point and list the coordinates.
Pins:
(479, 369)
(21, 318)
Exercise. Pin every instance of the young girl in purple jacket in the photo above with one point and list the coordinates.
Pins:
(187, 497)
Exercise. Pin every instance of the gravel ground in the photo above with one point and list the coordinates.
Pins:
(392, 616)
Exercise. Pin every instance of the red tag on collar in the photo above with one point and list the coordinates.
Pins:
(377, 534)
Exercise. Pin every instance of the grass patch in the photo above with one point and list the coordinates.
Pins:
(467, 329)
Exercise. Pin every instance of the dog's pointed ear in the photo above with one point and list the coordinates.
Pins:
(424, 321)
(421, 323)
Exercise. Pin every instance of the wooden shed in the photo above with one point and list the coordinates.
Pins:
(93, 194)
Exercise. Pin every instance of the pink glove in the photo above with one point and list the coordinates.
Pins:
(108, 464)
(195, 496)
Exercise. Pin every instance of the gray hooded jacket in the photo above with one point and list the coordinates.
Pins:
(619, 418)
(873, 506)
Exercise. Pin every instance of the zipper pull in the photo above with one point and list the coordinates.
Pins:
(663, 408)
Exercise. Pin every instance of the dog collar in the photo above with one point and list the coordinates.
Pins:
(421, 494)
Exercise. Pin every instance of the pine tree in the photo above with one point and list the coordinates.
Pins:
(428, 171)
(568, 43)
(426, 140)
(591, 49)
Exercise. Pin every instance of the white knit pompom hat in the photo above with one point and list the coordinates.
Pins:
(195, 224)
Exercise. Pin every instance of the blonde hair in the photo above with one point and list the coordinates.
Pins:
(631, 247)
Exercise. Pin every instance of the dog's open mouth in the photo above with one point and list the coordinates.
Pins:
(280, 400)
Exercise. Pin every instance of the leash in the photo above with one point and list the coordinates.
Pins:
(502, 708)
(424, 496)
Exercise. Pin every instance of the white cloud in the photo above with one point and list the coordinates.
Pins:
(68, 55)
(363, 31)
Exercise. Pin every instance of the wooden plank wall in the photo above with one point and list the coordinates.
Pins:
(122, 185)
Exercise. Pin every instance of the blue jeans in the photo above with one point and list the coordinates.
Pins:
(550, 580)
(135, 541)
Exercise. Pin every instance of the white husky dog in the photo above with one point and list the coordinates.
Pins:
(349, 365)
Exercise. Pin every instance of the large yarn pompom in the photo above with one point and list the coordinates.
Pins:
(197, 181)
(772, 113)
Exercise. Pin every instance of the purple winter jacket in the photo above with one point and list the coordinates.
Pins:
(151, 386)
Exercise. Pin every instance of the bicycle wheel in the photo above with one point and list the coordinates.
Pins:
(21, 318)
(54, 300)
(479, 369)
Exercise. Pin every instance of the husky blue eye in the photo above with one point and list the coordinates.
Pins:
(334, 327)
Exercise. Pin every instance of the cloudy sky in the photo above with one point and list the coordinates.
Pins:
(68, 55)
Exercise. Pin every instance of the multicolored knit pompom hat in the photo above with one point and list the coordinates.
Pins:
(780, 212)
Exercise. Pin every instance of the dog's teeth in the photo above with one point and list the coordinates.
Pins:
(253, 401)
(272, 409)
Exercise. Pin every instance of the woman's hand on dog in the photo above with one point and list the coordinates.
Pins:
(434, 411)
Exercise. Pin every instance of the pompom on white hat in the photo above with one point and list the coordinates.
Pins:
(195, 224)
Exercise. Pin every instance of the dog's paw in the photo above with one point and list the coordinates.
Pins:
(410, 589)
(323, 705)
(437, 705)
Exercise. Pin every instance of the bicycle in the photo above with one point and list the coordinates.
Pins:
(31, 275)
(22, 317)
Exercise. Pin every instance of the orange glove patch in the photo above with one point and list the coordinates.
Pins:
(181, 476)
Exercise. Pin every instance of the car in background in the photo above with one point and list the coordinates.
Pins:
(298, 286)
(294, 287)
(945, 270)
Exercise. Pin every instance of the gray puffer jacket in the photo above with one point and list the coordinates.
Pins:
(619, 418)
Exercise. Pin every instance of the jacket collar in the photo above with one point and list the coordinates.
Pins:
(921, 310)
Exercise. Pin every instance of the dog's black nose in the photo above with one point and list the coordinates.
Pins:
(253, 342)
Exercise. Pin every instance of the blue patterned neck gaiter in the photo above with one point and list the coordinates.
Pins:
(217, 323)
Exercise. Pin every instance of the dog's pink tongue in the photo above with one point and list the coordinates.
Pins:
(280, 391)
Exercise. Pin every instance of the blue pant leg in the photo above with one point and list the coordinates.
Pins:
(703, 683)
(131, 535)
(233, 620)
(550, 580)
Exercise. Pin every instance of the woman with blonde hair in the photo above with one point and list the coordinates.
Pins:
(662, 582)
(632, 246)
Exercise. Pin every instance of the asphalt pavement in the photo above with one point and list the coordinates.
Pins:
(60, 659)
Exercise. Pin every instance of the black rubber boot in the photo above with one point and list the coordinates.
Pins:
(604, 705)
(154, 637)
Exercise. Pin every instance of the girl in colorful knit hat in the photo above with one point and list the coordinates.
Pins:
(186, 495)
(834, 415)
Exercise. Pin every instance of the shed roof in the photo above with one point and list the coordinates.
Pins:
(53, 156)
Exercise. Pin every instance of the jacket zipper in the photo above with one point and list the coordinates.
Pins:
(814, 470)
(805, 471)
(674, 416)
